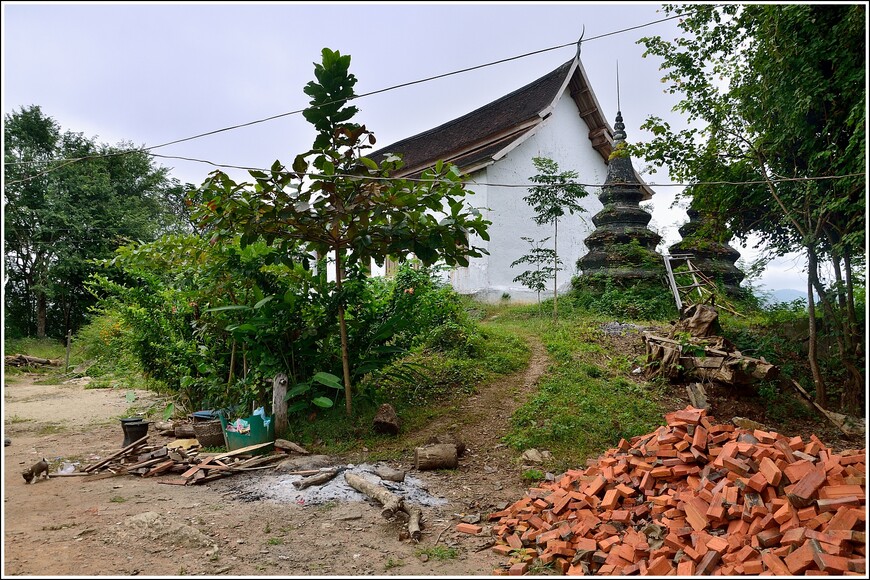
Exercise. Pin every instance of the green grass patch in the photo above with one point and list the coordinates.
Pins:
(580, 410)
(38, 347)
(438, 553)
(440, 379)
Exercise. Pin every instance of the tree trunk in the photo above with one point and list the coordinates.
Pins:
(812, 355)
(342, 328)
(841, 330)
(40, 313)
(555, 269)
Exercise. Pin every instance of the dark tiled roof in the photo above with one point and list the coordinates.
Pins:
(474, 138)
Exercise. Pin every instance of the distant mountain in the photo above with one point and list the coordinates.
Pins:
(787, 295)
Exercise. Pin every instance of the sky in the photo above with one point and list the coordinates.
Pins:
(151, 73)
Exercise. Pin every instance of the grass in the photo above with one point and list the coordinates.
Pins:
(275, 541)
(50, 429)
(390, 563)
(580, 409)
(438, 553)
(447, 378)
(118, 499)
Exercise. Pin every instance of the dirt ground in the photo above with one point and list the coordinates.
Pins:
(128, 525)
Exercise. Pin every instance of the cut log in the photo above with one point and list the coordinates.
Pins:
(389, 473)
(386, 420)
(438, 456)
(279, 403)
(414, 523)
(22, 360)
(450, 438)
(390, 502)
(318, 479)
(289, 446)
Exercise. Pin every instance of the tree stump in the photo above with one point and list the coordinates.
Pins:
(437, 456)
(386, 420)
(449, 438)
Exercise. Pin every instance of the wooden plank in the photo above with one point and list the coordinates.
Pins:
(123, 451)
(243, 450)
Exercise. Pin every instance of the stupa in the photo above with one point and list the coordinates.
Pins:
(622, 247)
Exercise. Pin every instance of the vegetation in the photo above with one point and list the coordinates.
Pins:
(774, 92)
(59, 215)
(580, 409)
(541, 258)
(551, 199)
(337, 201)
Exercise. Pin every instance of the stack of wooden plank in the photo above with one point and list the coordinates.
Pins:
(145, 460)
(696, 498)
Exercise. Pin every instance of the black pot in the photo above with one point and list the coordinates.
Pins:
(134, 429)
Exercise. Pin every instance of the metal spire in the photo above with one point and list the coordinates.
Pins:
(618, 106)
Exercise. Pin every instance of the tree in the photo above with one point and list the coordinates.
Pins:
(778, 92)
(59, 215)
(337, 201)
(555, 195)
(536, 280)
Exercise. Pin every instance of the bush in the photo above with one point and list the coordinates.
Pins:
(641, 300)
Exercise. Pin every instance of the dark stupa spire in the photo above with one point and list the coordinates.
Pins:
(621, 247)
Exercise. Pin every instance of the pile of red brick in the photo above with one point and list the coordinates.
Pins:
(695, 498)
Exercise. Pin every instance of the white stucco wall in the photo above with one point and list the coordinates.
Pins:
(562, 137)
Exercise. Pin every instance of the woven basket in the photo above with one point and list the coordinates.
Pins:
(209, 433)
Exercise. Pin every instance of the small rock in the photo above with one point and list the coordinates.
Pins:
(745, 423)
(470, 518)
(533, 456)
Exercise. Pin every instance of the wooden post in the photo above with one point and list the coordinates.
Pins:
(279, 403)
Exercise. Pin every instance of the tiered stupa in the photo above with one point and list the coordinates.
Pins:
(621, 247)
(705, 238)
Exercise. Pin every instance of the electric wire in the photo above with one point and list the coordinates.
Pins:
(298, 111)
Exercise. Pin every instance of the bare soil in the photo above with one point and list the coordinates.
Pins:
(127, 525)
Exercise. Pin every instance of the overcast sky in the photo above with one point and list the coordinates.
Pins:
(149, 73)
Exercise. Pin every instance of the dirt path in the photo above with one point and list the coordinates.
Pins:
(124, 526)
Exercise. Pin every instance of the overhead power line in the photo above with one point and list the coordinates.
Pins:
(298, 111)
(518, 185)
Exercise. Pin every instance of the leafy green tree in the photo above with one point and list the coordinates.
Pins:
(59, 215)
(777, 92)
(335, 201)
(555, 195)
(541, 258)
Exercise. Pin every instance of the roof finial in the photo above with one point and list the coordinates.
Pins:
(619, 136)
(618, 106)
(580, 40)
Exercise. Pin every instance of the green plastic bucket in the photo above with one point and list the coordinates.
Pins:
(258, 433)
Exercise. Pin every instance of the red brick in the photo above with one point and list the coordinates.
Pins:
(519, 569)
(775, 564)
(800, 560)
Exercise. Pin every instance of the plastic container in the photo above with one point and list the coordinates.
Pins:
(258, 433)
